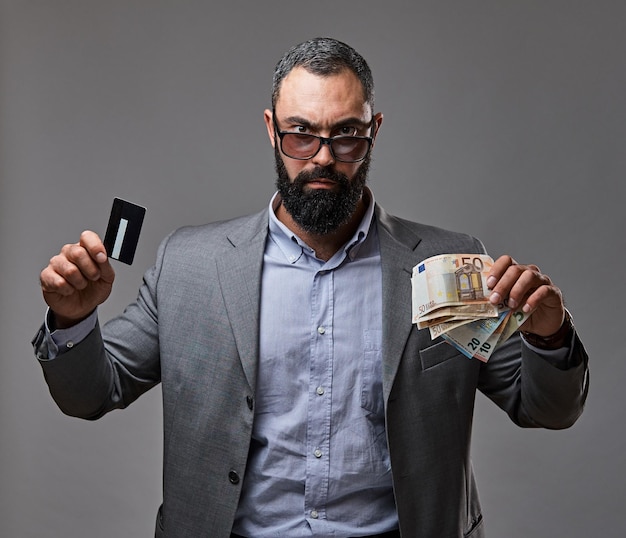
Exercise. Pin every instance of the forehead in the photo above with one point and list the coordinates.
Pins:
(322, 99)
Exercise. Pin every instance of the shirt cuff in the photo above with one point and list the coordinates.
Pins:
(62, 340)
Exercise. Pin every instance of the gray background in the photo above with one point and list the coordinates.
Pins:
(503, 119)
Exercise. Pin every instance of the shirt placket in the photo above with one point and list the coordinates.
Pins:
(319, 402)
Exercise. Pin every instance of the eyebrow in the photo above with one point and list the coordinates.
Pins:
(298, 120)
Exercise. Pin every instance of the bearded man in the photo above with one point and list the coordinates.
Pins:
(298, 398)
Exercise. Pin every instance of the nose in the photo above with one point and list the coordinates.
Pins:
(324, 156)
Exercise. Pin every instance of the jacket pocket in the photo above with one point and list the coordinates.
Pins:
(436, 354)
(371, 372)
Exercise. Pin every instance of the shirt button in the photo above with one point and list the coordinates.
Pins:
(317, 453)
(69, 345)
(320, 391)
(314, 514)
(321, 330)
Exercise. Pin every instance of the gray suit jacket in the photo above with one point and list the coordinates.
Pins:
(195, 329)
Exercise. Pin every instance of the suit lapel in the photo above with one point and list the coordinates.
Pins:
(239, 273)
(398, 257)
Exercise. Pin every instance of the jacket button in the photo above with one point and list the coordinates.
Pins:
(250, 402)
(233, 477)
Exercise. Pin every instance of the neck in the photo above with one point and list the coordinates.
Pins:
(326, 245)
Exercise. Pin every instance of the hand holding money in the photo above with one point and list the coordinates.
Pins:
(526, 288)
(451, 297)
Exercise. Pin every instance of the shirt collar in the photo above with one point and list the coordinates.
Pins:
(293, 247)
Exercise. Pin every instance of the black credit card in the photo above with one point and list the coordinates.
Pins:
(122, 235)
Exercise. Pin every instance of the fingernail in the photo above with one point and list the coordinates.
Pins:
(512, 303)
(495, 298)
(101, 257)
(526, 308)
(491, 282)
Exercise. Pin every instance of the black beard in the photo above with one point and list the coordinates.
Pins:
(320, 211)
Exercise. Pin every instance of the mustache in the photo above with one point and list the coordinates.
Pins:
(321, 172)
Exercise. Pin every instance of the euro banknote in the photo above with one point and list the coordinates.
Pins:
(451, 280)
(450, 297)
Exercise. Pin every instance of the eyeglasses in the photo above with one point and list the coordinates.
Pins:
(301, 146)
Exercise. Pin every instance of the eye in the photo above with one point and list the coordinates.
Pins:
(346, 130)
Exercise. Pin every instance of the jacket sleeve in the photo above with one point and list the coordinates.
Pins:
(102, 373)
(531, 390)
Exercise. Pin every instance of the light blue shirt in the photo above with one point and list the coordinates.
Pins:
(319, 461)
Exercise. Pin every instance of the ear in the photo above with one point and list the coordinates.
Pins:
(269, 125)
(378, 121)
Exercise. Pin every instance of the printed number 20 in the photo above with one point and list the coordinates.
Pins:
(474, 344)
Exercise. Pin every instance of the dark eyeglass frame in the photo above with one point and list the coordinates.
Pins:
(323, 140)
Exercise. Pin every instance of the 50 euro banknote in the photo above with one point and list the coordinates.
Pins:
(450, 297)
(456, 281)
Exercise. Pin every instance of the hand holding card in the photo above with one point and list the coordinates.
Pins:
(80, 277)
(122, 235)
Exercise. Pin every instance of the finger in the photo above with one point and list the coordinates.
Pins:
(52, 282)
(548, 311)
(528, 280)
(498, 269)
(503, 276)
(73, 258)
(548, 295)
(92, 243)
(516, 283)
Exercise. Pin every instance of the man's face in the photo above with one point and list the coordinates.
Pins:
(320, 193)
(320, 210)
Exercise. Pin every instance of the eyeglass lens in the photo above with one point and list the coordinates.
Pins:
(344, 148)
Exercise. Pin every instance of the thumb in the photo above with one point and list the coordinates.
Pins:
(107, 273)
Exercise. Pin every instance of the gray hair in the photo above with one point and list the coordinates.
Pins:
(324, 56)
